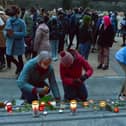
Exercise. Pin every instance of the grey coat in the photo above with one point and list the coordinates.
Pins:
(41, 41)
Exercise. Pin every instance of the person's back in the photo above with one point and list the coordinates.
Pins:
(121, 55)
(41, 41)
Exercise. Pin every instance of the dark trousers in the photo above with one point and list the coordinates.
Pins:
(19, 63)
(61, 43)
(28, 96)
(2, 55)
(71, 37)
(78, 92)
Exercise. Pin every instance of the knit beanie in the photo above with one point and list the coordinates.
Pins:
(43, 55)
(66, 58)
(86, 19)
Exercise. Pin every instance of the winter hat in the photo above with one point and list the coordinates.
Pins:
(66, 58)
(86, 19)
(43, 55)
(107, 21)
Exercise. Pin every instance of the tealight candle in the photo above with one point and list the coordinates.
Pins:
(91, 101)
(102, 104)
(73, 105)
(35, 108)
(8, 107)
(42, 106)
(86, 104)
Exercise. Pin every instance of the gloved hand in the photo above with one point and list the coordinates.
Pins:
(83, 77)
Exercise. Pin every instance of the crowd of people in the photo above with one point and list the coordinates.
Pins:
(43, 36)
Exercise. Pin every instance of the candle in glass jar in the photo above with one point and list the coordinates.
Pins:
(35, 108)
(42, 106)
(102, 104)
(86, 104)
(8, 107)
(73, 105)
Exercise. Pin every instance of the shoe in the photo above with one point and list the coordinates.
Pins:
(99, 66)
(105, 67)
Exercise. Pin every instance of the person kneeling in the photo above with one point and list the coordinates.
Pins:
(72, 65)
(31, 80)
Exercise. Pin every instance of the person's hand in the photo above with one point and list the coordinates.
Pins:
(83, 77)
(10, 32)
(77, 82)
(43, 91)
(46, 89)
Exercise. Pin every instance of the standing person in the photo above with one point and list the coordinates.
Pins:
(62, 30)
(85, 37)
(3, 18)
(15, 30)
(123, 30)
(71, 66)
(41, 41)
(29, 34)
(120, 56)
(31, 80)
(74, 27)
(54, 36)
(105, 41)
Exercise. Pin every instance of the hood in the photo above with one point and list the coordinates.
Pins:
(75, 53)
(44, 28)
(107, 21)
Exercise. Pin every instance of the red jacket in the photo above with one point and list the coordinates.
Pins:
(76, 70)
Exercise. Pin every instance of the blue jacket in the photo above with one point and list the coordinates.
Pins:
(15, 43)
(31, 78)
(120, 55)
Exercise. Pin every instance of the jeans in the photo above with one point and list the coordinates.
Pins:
(71, 92)
(54, 48)
(84, 49)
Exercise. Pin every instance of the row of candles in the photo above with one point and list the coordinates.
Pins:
(37, 106)
(73, 106)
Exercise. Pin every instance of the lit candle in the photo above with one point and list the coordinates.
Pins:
(35, 108)
(73, 105)
(42, 106)
(86, 104)
(102, 104)
(8, 107)
(91, 101)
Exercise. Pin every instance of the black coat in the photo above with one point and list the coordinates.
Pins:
(106, 37)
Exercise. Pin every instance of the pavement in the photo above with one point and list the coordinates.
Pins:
(99, 80)
(92, 60)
